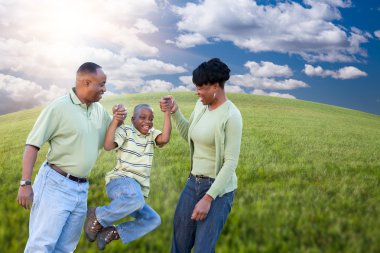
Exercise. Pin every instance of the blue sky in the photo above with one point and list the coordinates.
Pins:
(326, 51)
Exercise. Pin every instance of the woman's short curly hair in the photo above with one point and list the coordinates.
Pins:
(210, 72)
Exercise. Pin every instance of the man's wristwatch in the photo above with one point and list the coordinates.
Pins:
(24, 182)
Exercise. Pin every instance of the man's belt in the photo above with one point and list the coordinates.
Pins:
(67, 175)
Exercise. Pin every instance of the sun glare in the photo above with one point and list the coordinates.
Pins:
(65, 21)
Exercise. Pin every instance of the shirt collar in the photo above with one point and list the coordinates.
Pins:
(74, 97)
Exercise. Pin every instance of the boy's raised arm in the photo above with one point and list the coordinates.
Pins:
(109, 142)
(119, 114)
(164, 137)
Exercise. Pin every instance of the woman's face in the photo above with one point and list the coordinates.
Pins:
(206, 93)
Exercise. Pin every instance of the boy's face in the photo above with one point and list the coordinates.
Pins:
(142, 120)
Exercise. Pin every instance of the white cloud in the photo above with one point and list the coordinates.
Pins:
(24, 93)
(187, 82)
(133, 70)
(157, 86)
(52, 38)
(181, 88)
(268, 69)
(337, 3)
(45, 42)
(20, 89)
(377, 34)
(145, 26)
(161, 86)
(190, 40)
(286, 27)
(272, 94)
(317, 71)
(169, 42)
(233, 89)
(261, 76)
(349, 72)
(139, 67)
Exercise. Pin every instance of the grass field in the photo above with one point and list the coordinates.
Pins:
(309, 178)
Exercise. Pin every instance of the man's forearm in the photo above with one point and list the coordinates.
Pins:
(28, 161)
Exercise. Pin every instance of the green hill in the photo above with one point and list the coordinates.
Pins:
(309, 178)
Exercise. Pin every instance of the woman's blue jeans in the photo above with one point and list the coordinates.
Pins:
(202, 235)
(127, 200)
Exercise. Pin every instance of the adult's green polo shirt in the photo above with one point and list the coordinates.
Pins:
(75, 133)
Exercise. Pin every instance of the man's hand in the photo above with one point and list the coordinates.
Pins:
(25, 196)
(119, 113)
(201, 208)
(168, 103)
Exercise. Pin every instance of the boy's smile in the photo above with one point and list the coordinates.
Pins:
(143, 120)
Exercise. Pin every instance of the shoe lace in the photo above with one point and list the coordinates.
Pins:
(95, 224)
(111, 235)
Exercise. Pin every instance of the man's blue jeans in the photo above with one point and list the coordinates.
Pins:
(203, 235)
(58, 212)
(127, 200)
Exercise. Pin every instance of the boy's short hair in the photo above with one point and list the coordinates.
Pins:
(141, 106)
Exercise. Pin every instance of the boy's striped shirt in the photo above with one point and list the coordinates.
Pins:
(134, 155)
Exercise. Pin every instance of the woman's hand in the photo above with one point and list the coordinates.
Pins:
(168, 103)
(202, 208)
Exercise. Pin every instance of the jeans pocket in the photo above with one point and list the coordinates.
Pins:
(55, 180)
(230, 199)
(123, 186)
(38, 187)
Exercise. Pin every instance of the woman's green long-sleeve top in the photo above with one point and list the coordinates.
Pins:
(228, 134)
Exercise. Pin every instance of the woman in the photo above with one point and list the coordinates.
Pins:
(214, 135)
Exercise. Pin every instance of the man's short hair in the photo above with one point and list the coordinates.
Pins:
(88, 68)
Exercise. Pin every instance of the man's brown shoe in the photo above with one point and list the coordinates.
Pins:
(92, 226)
(106, 236)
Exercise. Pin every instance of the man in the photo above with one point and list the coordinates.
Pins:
(75, 127)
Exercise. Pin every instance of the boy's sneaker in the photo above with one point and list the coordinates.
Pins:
(92, 226)
(106, 236)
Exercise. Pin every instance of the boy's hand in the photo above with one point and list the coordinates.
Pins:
(167, 103)
(119, 113)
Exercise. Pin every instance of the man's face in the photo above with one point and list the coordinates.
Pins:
(142, 120)
(96, 86)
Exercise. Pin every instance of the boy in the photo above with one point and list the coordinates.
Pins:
(128, 183)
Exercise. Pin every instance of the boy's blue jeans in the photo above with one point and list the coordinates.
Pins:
(127, 200)
(203, 235)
